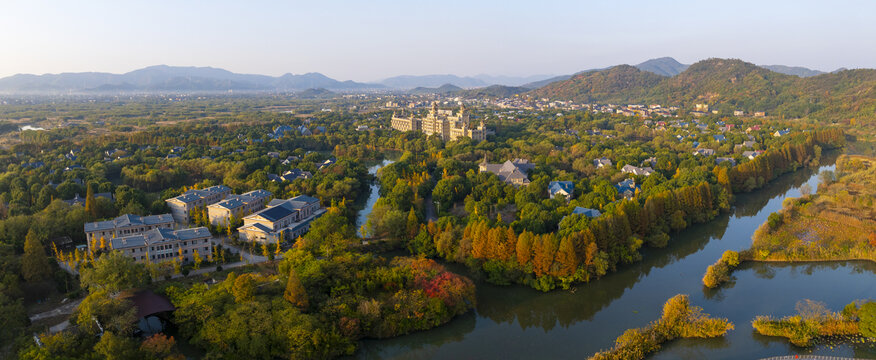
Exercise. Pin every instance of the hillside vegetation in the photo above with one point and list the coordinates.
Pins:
(727, 85)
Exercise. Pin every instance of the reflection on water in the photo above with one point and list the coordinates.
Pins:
(373, 195)
(518, 322)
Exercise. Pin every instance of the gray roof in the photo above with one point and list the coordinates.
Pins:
(156, 236)
(128, 220)
(235, 201)
(197, 194)
(555, 186)
(591, 213)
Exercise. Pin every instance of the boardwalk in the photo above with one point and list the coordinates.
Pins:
(810, 357)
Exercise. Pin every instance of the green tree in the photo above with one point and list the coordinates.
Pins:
(89, 202)
(34, 263)
(867, 319)
(117, 347)
(114, 272)
(243, 288)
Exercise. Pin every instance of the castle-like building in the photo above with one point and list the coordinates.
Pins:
(442, 123)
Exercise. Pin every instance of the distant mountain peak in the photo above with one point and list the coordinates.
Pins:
(665, 66)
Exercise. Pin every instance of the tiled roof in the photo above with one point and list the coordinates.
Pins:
(128, 220)
(156, 236)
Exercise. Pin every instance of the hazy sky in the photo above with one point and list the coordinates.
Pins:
(367, 40)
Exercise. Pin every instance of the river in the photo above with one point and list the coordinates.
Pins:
(373, 195)
(516, 322)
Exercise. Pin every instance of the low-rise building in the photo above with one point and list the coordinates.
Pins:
(158, 245)
(513, 172)
(627, 188)
(125, 225)
(180, 206)
(730, 160)
(635, 170)
(564, 189)
(237, 206)
(591, 213)
(602, 162)
(704, 152)
(78, 200)
(752, 154)
(290, 175)
(281, 220)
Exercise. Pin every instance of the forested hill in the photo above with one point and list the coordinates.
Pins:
(619, 84)
(727, 85)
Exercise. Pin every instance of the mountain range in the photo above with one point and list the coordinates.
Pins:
(163, 78)
(172, 78)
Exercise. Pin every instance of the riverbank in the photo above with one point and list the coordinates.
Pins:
(519, 322)
(838, 223)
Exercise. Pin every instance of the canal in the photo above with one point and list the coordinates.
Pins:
(515, 322)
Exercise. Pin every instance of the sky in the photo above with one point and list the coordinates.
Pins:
(368, 40)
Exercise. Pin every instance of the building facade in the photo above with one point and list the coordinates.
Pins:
(180, 206)
(442, 123)
(125, 225)
(158, 245)
(281, 220)
(237, 206)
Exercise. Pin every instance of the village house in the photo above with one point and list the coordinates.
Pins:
(513, 172)
(163, 244)
(780, 133)
(77, 200)
(635, 170)
(290, 175)
(125, 225)
(704, 152)
(627, 188)
(281, 220)
(237, 206)
(602, 162)
(182, 205)
(752, 154)
(591, 213)
(565, 189)
(730, 160)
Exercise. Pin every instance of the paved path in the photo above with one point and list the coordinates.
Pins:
(60, 310)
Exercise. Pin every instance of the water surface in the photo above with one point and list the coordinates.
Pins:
(515, 322)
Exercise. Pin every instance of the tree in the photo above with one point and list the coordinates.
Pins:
(13, 317)
(34, 263)
(114, 272)
(295, 292)
(197, 259)
(867, 322)
(89, 202)
(243, 288)
(116, 347)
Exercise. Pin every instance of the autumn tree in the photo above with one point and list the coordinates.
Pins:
(295, 292)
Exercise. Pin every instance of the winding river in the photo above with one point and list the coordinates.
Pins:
(373, 195)
(515, 322)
